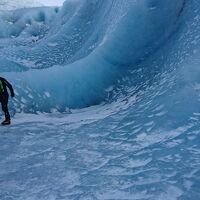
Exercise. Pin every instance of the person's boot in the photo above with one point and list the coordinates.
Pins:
(6, 122)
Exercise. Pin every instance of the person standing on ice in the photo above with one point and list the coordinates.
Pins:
(4, 98)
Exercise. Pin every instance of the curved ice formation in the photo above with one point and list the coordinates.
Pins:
(141, 59)
(73, 57)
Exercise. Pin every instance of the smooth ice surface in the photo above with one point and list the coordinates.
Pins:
(107, 101)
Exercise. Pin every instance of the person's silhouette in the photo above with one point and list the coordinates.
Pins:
(4, 98)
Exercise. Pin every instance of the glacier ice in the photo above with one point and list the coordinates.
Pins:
(16, 4)
(85, 34)
(129, 70)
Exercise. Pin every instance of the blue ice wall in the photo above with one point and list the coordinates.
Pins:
(91, 45)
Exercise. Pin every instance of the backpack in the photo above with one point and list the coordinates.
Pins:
(1, 87)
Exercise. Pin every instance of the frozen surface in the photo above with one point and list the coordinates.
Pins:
(15, 4)
(107, 101)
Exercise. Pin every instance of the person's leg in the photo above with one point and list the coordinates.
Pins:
(4, 104)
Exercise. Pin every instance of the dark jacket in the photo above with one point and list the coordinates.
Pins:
(4, 91)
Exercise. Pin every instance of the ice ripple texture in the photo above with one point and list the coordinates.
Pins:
(129, 70)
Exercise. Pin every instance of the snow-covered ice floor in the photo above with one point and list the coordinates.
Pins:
(89, 154)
